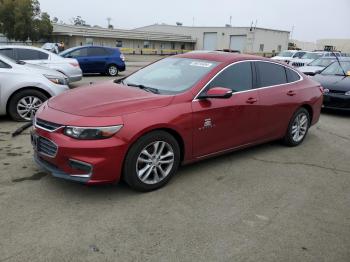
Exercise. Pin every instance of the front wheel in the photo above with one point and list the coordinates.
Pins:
(151, 161)
(112, 70)
(298, 128)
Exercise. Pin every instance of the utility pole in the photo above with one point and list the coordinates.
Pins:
(230, 20)
(109, 22)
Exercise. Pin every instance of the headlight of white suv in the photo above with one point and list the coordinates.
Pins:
(347, 93)
(91, 133)
(57, 80)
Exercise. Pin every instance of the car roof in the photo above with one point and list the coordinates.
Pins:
(219, 56)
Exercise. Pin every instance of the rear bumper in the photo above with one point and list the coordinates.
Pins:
(336, 101)
(75, 78)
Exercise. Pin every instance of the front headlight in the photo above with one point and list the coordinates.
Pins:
(57, 80)
(91, 133)
(347, 93)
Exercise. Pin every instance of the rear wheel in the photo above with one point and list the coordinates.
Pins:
(112, 70)
(24, 104)
(151, 161)
(298, 128)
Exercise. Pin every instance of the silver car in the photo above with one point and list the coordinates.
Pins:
(25, 87)
(33, 55)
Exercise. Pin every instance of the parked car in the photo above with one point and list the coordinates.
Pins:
(336, 82)
(97, 59)
(178, 110)
(287, 55)
(311, 56)
(51, 47)
(25, 87)
(317, 65)
(33, 55)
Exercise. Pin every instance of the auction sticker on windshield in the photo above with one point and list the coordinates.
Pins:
(201, 64)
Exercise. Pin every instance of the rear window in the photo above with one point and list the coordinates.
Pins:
(29, 54)
(7, 52)
(270, 74)
(292, 76)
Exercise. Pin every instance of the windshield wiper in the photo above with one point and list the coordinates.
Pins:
(146, 88)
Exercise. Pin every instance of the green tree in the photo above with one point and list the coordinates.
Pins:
(22, 20)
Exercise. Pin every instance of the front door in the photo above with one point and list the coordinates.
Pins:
(223, 124)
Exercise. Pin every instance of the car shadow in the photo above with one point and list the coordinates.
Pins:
(335, 112)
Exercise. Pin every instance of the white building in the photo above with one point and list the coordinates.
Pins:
(244, 39)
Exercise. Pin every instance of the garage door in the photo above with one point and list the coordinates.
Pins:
(210, 41)
(238, 42)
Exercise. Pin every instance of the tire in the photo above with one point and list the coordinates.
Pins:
(135, 171)
(17, 103)
(298, 128)
(112, 70)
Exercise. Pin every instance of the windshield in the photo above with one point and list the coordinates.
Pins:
(335, 69)
(311, 56)
(285, 54)
(171, 75)
(323, 62)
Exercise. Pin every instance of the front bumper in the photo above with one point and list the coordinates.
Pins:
(75, 78)
(336, 101)
(89, 162)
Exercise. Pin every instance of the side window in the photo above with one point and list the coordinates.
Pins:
(4, 65)
(78, 53)
(292, 76)
(299, 54)
(96, 51)
(237, 77)
(29, 54)
(7, 52)
(270, 74)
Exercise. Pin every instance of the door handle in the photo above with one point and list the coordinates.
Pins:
(291, 93)
(252, 100)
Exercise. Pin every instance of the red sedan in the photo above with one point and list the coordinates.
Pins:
(176, 111)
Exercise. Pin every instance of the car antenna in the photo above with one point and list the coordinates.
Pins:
(339, 62)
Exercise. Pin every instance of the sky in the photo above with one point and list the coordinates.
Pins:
(308, 19)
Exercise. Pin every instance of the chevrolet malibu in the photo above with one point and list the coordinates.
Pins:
(176, 111)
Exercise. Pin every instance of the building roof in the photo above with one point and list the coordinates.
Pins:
(209, 27)
(86, 31)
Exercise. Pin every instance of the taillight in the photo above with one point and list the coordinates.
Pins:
(122, 57)
(74, 64)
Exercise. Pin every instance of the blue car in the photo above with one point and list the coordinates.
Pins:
(97, 59)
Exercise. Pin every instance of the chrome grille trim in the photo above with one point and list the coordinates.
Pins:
(46, 125)
(46, 147)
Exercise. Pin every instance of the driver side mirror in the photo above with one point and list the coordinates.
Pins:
(217, 92)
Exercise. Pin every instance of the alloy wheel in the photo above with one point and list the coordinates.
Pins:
(299, 127)
(113, 70)
(27, 107)
(155, 162)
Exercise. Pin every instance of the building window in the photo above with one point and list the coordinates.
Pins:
(261, 49)
(89, 41)
(119, 43)
(183, 47)
(173, 46)
(146, 44)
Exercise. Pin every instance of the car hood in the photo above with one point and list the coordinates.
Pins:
(332, 82)
(310, 69)
(107, 100)
(281, 58)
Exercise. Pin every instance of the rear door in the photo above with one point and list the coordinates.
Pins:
(222, 124)
(98, 57)
(81, 55)
(277, 96)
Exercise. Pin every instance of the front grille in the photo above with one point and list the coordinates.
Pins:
(298, 64)
(49, 126)
(46, 147)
